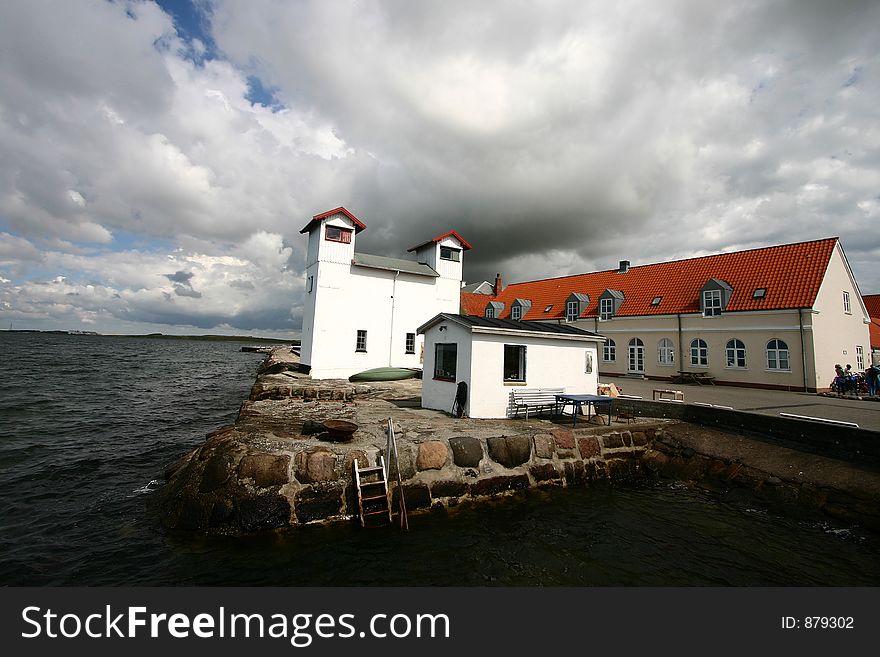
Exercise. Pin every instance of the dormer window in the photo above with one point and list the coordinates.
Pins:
(448, 253)
(337, 234)
(519, 308)
(656, 301)
(759, 293)
(711, 303)
(575, 305)
(493, 309)
(714, 297)
(609, 303)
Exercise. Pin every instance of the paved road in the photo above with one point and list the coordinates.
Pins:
(865, 413)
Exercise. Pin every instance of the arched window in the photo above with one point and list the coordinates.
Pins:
(636, 362)
(736, 353)
(665, 352)
(609, 351)
(777, 356)
(699, 353)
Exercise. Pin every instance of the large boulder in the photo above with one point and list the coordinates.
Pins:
(510, 451)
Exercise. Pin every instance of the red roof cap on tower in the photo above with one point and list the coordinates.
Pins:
(358, 224)
(464, 243)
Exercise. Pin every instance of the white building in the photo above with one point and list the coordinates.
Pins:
(361, 311)
(774, 317)
(495, 356)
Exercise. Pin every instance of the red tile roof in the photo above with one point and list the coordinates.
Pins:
(872, 303)
(474, 304)
(451, 233)
(358, 224)
(791, 274)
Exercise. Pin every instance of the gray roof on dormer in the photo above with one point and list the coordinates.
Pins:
(523, 303)
(577, 296)
(393, 264)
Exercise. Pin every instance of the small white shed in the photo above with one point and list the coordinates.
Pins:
(496, 356)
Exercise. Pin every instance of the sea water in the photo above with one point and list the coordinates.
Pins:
(88, 423)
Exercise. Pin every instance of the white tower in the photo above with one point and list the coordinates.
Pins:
(330, 253)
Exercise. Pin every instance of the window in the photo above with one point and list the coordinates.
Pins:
(860, 358)
(846, 307)
(516, 313)
(606, 308)
(448, 253)
(636, 355)
(336, 234)
(410, 343)
(490, 312)
(711, 303)
(548, 308)
(665, 352)
(588, 362)
(572, 310)
(759, 293)
(777, 356)
(445, 360)
(656, 301)
(736, 353)
(361, 342)
(514, 363)
(699, 353)
(609, 351)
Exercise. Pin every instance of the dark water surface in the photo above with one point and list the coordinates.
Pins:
(88, 423)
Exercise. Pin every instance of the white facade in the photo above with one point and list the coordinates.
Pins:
(362, 312)
(551, 360)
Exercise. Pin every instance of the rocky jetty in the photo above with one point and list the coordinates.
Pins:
(277, 467)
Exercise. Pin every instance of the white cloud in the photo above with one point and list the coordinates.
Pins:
(557, 138)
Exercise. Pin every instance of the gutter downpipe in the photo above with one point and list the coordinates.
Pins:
(680, 347)
(391, 331)
(803, 350)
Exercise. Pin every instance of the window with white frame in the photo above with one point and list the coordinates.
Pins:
(847, 308)
(860, 358)
(665, 352)
(361, 341)
(515, 363)
(609, 351)
(711, 303)
(778, 357)
(588, 362)
(606, 308)
(516, 313)
(699, 353)
(571, 311)
(410, 343)
(736, 353)
(490, 312)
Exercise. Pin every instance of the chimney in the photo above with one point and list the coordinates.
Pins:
(624, 267)
(498, 286)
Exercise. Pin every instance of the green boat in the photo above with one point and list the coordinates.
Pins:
(385, 374)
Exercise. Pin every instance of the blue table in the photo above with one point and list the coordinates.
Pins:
(577, 402)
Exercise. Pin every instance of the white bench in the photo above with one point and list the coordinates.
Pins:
(660, 394)
(533, 398)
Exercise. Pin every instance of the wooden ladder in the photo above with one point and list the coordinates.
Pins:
(374, 501)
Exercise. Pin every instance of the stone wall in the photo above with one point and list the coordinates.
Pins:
(233, 485)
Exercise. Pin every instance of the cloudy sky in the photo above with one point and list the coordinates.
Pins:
(158, 160)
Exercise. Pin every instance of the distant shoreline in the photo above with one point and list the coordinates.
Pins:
(162, 336)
